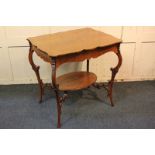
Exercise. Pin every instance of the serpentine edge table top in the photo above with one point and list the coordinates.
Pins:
(73, 41)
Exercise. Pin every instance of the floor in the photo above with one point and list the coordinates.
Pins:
(86, 109)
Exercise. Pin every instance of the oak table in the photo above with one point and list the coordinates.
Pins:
(73, 46)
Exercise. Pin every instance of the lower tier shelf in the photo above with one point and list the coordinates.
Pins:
(76, 80)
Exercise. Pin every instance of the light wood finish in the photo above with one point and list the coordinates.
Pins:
(76, 80)
(73, 46)
(73, 41)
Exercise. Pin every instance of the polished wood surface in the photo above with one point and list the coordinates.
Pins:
(72, 41)
(75, 80)
(73, 46)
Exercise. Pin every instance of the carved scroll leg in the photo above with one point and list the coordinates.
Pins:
(36, 70)
(55, 87)
(114, 72)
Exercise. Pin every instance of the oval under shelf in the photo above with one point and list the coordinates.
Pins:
(76, 80)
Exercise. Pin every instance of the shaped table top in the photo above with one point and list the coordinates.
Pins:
(72, 41)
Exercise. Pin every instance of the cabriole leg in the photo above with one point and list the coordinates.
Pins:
(58, 98)
(36, 70)
(114, 72)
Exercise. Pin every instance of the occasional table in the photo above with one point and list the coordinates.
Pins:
(73, 46)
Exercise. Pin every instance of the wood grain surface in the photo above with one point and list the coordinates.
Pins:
(75, 80)
(72, 41)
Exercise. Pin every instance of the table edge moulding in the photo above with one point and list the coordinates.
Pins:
(73, 46)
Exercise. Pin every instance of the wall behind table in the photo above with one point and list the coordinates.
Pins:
(138, 51)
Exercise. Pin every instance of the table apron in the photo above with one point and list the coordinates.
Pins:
(85, 55)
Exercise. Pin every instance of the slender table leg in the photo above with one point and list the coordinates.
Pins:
(87, 65)
(114, 72)
(55, 87)
(36, 70)
(58, 109)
